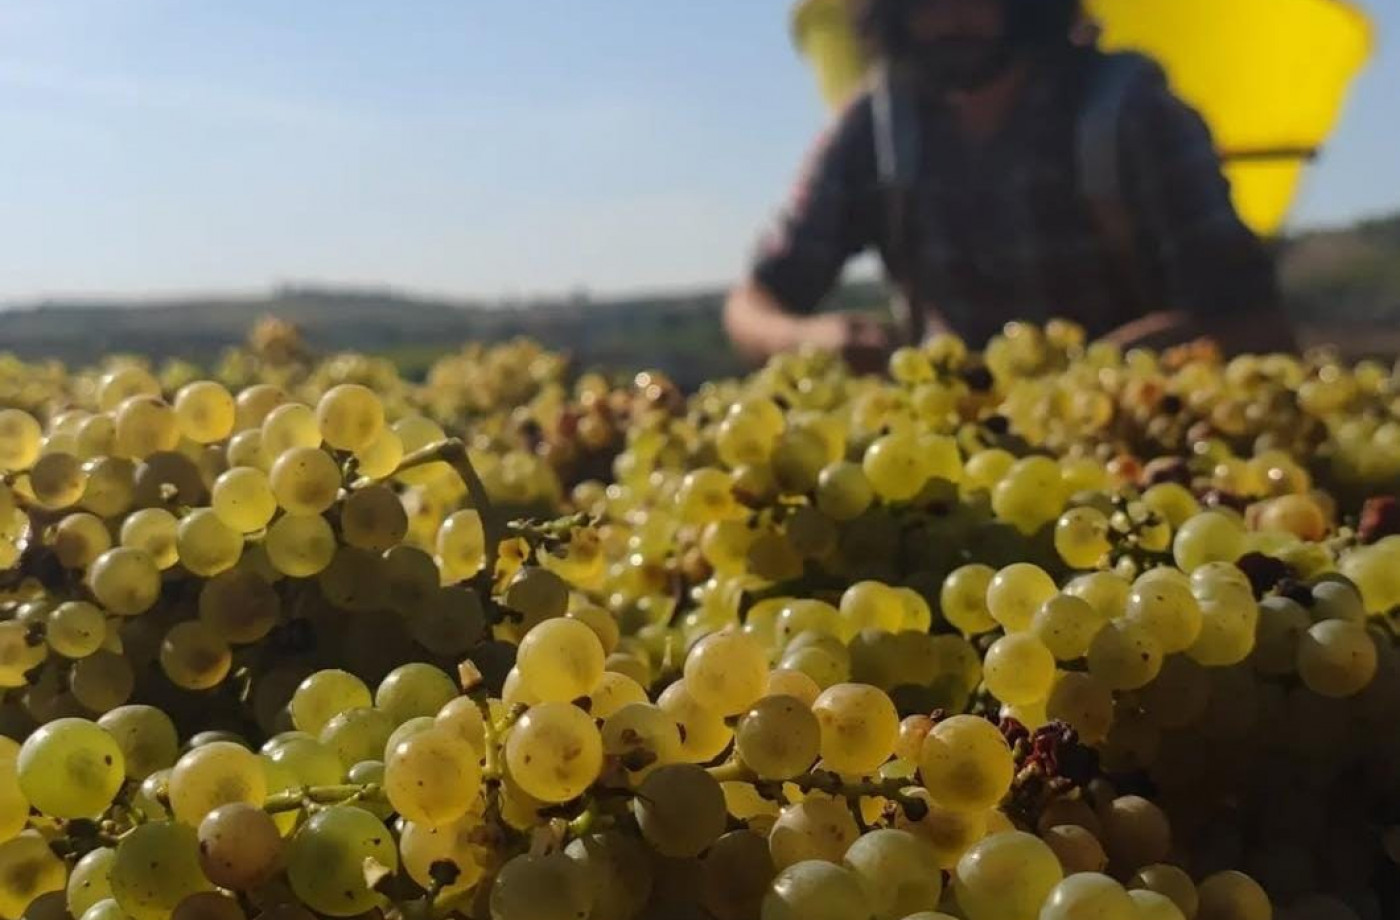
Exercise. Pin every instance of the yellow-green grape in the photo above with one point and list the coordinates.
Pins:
(618, 865)
(1085, 703)
(96, 436)
(910, 366)
(560, 660)
(410, 579)
(703, 731)
(680, 810)
(537, 595)
(778, 738)
(406, 730)
(1081, 537)
(156, 867)
(20, 440)
(817, 890)
(1016, 593)
(552, 887)
(1006, 876)
(350, 416)
(102, 681)
(1337, 658)
(601, 621)
(612, 692)
(14, 807)
(859, 726)
(898, 870)
(1066, 624)
(1106, 592)
(153, 531)
(1211, 536)
(432, 778)
(554, 752)
(643, 737)
(1030, 495)
(253, 404)
(373, 518)
(966, 764)
(918, 615)
(194, 656)
(1088, 894)
(1135, 832)
(358, 734)
(1229, 623)
(145, 425)
(289, 426)
(414, 689)
(1077, 849)
(28, 869)
(146, 737)
(205, 411)
(206, 545)
(76, 629)
(79, 539)
(801, 616)
(300, 545)
(305, 480)
(726, 672)
(243, 499)
(1125, 656)
(1172, 502)
(797, 460)
(310, 761)
(1019, 669)
(463, 716)
(380, 457)
(895, 467)
(20, 653)
(88, 883)
(1171, 882)
(706, 495)
(416, 432)
(985, 468)
(422, 847)
(450, 622)
(215, 774)
(110, 486)
(461, 546)
(1232, 896)
(1149, 905)
(70, 768)
(872, 605)
(963, 599)
(208, 905)
(245, 450)
(57, 480)
(240, 846)
(843, 491)
(326, 860)
(124, 382)
(1167, 610)
(239, 606)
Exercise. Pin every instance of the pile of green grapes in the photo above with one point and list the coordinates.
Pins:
(1045, 632)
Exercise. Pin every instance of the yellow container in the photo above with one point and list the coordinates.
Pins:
(1270, 76)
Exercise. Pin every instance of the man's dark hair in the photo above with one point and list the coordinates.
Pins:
(882, 24)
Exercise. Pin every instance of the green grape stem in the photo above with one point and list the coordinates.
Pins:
(346, 794)
(828, 783)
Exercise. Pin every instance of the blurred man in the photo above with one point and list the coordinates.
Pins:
(1005, 168)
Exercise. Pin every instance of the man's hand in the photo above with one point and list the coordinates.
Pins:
(863, 341)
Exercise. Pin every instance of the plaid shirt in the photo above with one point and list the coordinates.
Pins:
(1001, 229)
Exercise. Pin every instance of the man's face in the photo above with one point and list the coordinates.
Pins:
(959, 44)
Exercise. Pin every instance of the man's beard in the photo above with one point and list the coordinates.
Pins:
(960, 64)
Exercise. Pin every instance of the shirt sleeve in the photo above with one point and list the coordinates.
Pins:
(1207, 261)
(829, 216)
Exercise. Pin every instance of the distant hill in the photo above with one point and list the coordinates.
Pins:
(1343, 285)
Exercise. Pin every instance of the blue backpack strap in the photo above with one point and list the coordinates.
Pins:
(896, 121)
(1099, 156)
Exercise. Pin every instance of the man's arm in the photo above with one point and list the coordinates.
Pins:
(1218, 278)
(828, 219)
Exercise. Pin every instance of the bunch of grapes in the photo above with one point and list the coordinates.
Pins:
(1042, 632)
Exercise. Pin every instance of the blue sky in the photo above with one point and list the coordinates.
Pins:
(465, 147)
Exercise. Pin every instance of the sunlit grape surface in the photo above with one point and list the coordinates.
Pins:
(1042, 632)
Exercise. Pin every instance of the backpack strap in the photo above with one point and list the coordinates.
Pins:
(897, 143)
(1099, 156)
